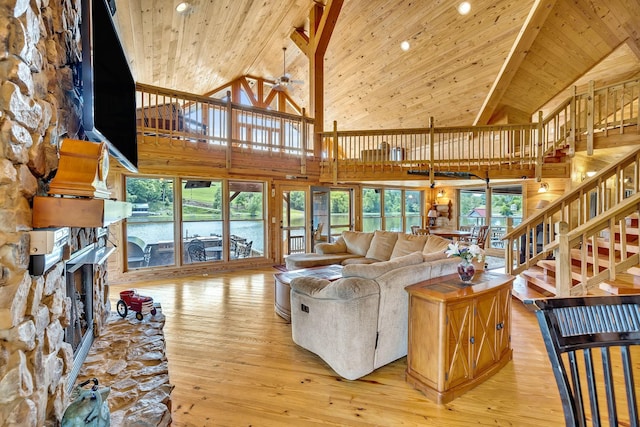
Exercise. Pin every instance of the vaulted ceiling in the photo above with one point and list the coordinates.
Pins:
(503, 61)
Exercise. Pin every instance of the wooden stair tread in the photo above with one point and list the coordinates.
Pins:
(625, 283)
(543, 284)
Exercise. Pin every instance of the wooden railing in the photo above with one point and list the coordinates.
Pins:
(591, 207)
(208, 123)
(520, 146)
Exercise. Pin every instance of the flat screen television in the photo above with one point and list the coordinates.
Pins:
(108, 88)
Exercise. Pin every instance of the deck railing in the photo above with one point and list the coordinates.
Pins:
(218, 124)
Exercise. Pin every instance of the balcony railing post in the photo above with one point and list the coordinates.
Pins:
(432, 151)
(573, 119)
(563, 261)
(303, 143)
(540, 153)
(334, 154)
(590, 118)
(229, 130)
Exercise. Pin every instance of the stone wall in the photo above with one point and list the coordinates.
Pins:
(39, 42)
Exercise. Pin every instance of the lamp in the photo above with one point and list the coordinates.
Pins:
(544, 187)
(432, 214)
(440, 194)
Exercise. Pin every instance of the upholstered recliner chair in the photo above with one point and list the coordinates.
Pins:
(359, 323)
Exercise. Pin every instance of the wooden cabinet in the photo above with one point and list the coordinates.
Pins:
(459, 334)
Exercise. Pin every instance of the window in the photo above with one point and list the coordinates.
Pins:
(371, 213)
(412, 209)
(246, 219)
(340, 201)
(150, 229)
(202, 221)
(392, 210)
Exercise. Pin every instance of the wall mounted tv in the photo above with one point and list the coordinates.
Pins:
(108, 88)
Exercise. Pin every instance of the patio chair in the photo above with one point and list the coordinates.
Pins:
(601, 328)
(196, 251)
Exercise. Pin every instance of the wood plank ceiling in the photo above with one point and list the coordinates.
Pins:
(502, 62)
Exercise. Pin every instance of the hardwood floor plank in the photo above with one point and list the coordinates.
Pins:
(233, 363)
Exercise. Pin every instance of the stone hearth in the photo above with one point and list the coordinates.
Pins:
(129, 356)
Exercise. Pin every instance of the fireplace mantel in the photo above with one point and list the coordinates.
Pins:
(51, 211)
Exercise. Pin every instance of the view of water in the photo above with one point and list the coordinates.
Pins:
(156, 232)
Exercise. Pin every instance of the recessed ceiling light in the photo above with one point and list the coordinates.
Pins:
(183, 7)
(405, 45)
(464, 8)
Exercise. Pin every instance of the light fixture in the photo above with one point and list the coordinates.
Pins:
(590, 173)
(544, 187)
(405, 45)
(432, 214)
(440, 194)
(464, 8)
(183, 8)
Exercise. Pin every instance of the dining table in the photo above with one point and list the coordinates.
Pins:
(449, 233)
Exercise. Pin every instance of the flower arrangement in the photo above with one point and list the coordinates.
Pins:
(467, 253)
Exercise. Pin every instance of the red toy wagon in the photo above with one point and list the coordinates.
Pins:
(130, 300)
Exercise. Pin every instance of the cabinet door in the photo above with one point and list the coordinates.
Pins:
(458, 343)
(503, 321)
(485, 332)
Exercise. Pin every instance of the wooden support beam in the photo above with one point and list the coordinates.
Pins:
(532, 26)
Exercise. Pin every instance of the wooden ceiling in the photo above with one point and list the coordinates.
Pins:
(503, 61)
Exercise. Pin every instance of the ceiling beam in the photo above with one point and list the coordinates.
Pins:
(322, 21)
(528, 33)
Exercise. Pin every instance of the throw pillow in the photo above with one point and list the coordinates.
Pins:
(435, 244)
(357, 242)
(408, 243)
(382, 245)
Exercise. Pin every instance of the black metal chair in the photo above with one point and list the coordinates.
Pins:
(575, 325)
(196, 251)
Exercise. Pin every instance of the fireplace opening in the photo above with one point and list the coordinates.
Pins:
(81, 272)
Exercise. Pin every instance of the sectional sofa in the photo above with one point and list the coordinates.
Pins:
(358, 323)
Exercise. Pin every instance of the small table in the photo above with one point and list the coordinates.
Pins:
(282, 285)
(449, 234)
(459, 334)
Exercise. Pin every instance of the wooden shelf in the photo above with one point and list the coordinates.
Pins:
(77, 212)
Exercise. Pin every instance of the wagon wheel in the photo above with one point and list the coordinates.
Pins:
(139, 316)
(122, 308)
(153, 311)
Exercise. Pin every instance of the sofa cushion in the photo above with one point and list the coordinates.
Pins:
(382, 245)
(434, 256)
(337, 247)
(298, 261)
(379, 268)
(357, 242)
(407, 244)
(359, 260)
(342, 289)
(435, 244)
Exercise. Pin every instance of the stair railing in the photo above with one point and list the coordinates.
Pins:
(584, 243)
(535, 238)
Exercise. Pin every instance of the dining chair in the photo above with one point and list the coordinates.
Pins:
(600, 329)
(422, 231)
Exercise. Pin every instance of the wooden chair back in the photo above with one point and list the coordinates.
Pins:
(584, 337)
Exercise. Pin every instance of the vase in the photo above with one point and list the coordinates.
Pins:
(466, 271)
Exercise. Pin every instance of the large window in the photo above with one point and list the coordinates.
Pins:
(150, 230)
(371, 212)
(201, 221)
(506, 205)
(397, 209)
(340, 201)
(246, 219)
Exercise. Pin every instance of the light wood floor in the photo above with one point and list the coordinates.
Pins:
(233, 363)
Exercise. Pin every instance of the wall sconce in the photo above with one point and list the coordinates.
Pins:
(544, 187)
(440, 194)
(432, 214)
(588, 174)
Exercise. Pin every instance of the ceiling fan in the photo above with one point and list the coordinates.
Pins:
(282, 82)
